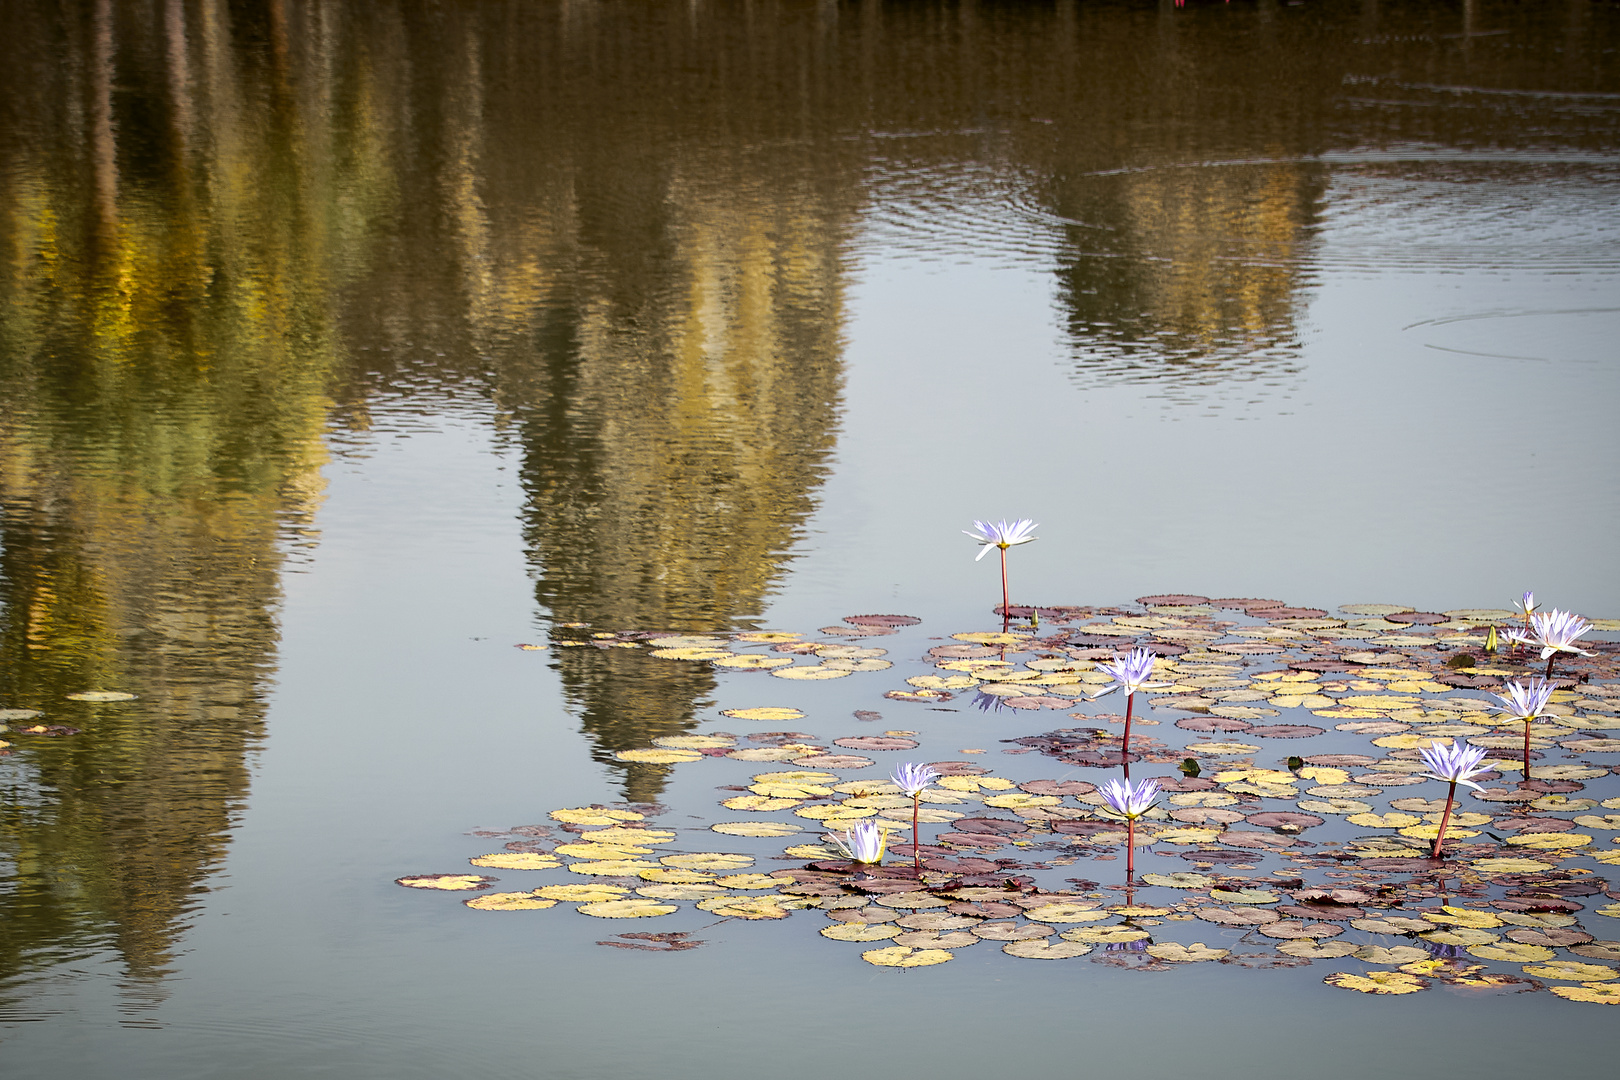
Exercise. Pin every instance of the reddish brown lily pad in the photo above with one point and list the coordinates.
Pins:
(998, 826)
(1420, 618)
(876, 742)
(1212, 723)
(1172, 600)
(1246, 604)
(1340, 761)
(1286, 731)
(882, 620)
(1238, 916)
(1247, 838)
(834, 761)
(1206, 815)
(1058, 787)
(1275, 819)
(1553, 937)
(958, 768)
(1298, 928)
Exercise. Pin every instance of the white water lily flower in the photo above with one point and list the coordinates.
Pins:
(1001, 534)
(1555, 631)
(863, 843)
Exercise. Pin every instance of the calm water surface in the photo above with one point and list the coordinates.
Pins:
(345, 345)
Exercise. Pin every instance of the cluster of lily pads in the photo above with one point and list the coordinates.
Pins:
(1294, 733)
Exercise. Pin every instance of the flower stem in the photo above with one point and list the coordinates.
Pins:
(1550, 660)
(1130, 850)
(1125, 751)
(1445, 819)
(916, 842)
(1006, 604)
(1527, 748)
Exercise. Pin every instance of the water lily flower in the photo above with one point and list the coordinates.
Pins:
(1555, 631)
(864, 842)
(1526, 604)
(1453, 762)
(1001, 535)
(1130, 674)
(1132, 801)
(1128, 799)
(911, 779)
(1525, 702)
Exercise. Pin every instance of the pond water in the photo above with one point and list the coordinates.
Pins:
(346, 346)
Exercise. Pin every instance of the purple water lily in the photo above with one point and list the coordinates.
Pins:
(1001, 535)
(1453, 762)
(1555, 631)
(911, 779)
(1129, 673)
(1131, 801)
(1524, 702)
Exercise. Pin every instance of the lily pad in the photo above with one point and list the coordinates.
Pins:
(638, 908)
(509, 901)
(904, 956)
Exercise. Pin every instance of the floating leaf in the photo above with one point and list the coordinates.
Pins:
(857, 931)
(1243, 896)
(626, 909)
(658, 756)
(1511, 952)
(447, 882)
(1104, 935)
(1042, 949)
(610, 867)
(592, 815)
(760, 804)
(1377, 982)
(708, 860)
(751, 662)
(1065, 913)
(1399, 954)
(810, 673)
(1596, 993)
(769, 712)
(672, 876)
(748, 881)
(749, 907)
(580, 893)
(1572, 970)
(694, 742)
(1550, 841)
(691, 653)
(508, 901)
(1180, 880)
(904, 956)
(1317, 950)
(756, 828)
(101, 696)
(519, 860)
(680, 892)
(1177, 953)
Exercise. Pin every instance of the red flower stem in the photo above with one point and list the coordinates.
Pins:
(916, 842)
(1527, 749)
(1125, 751)
(1130, 849)
(1445, 819)
(1006, 604)
(1550, 660)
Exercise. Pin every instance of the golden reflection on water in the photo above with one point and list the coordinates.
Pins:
(231, 228)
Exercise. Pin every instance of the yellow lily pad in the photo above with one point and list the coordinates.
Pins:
(581, 851)
(764, 712)
(811, 674)
(1377, 982)
(610, 867)
(708, 860)
(1065, 913)
(657, 755)
(592, 815)
(1511, 952)
(1042, 949)
(1550, 841)
(1104, 935)
(753, 662)
(519, 860)
(509, 901)
(1573, 971)
(582, 893)
(1489, 867)
(638, 908)
(446, 882)
(101, 696)
(756, 828)
(762, 804)
(750, 907)
(748, 881)
(903, 956)
(671, 876)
